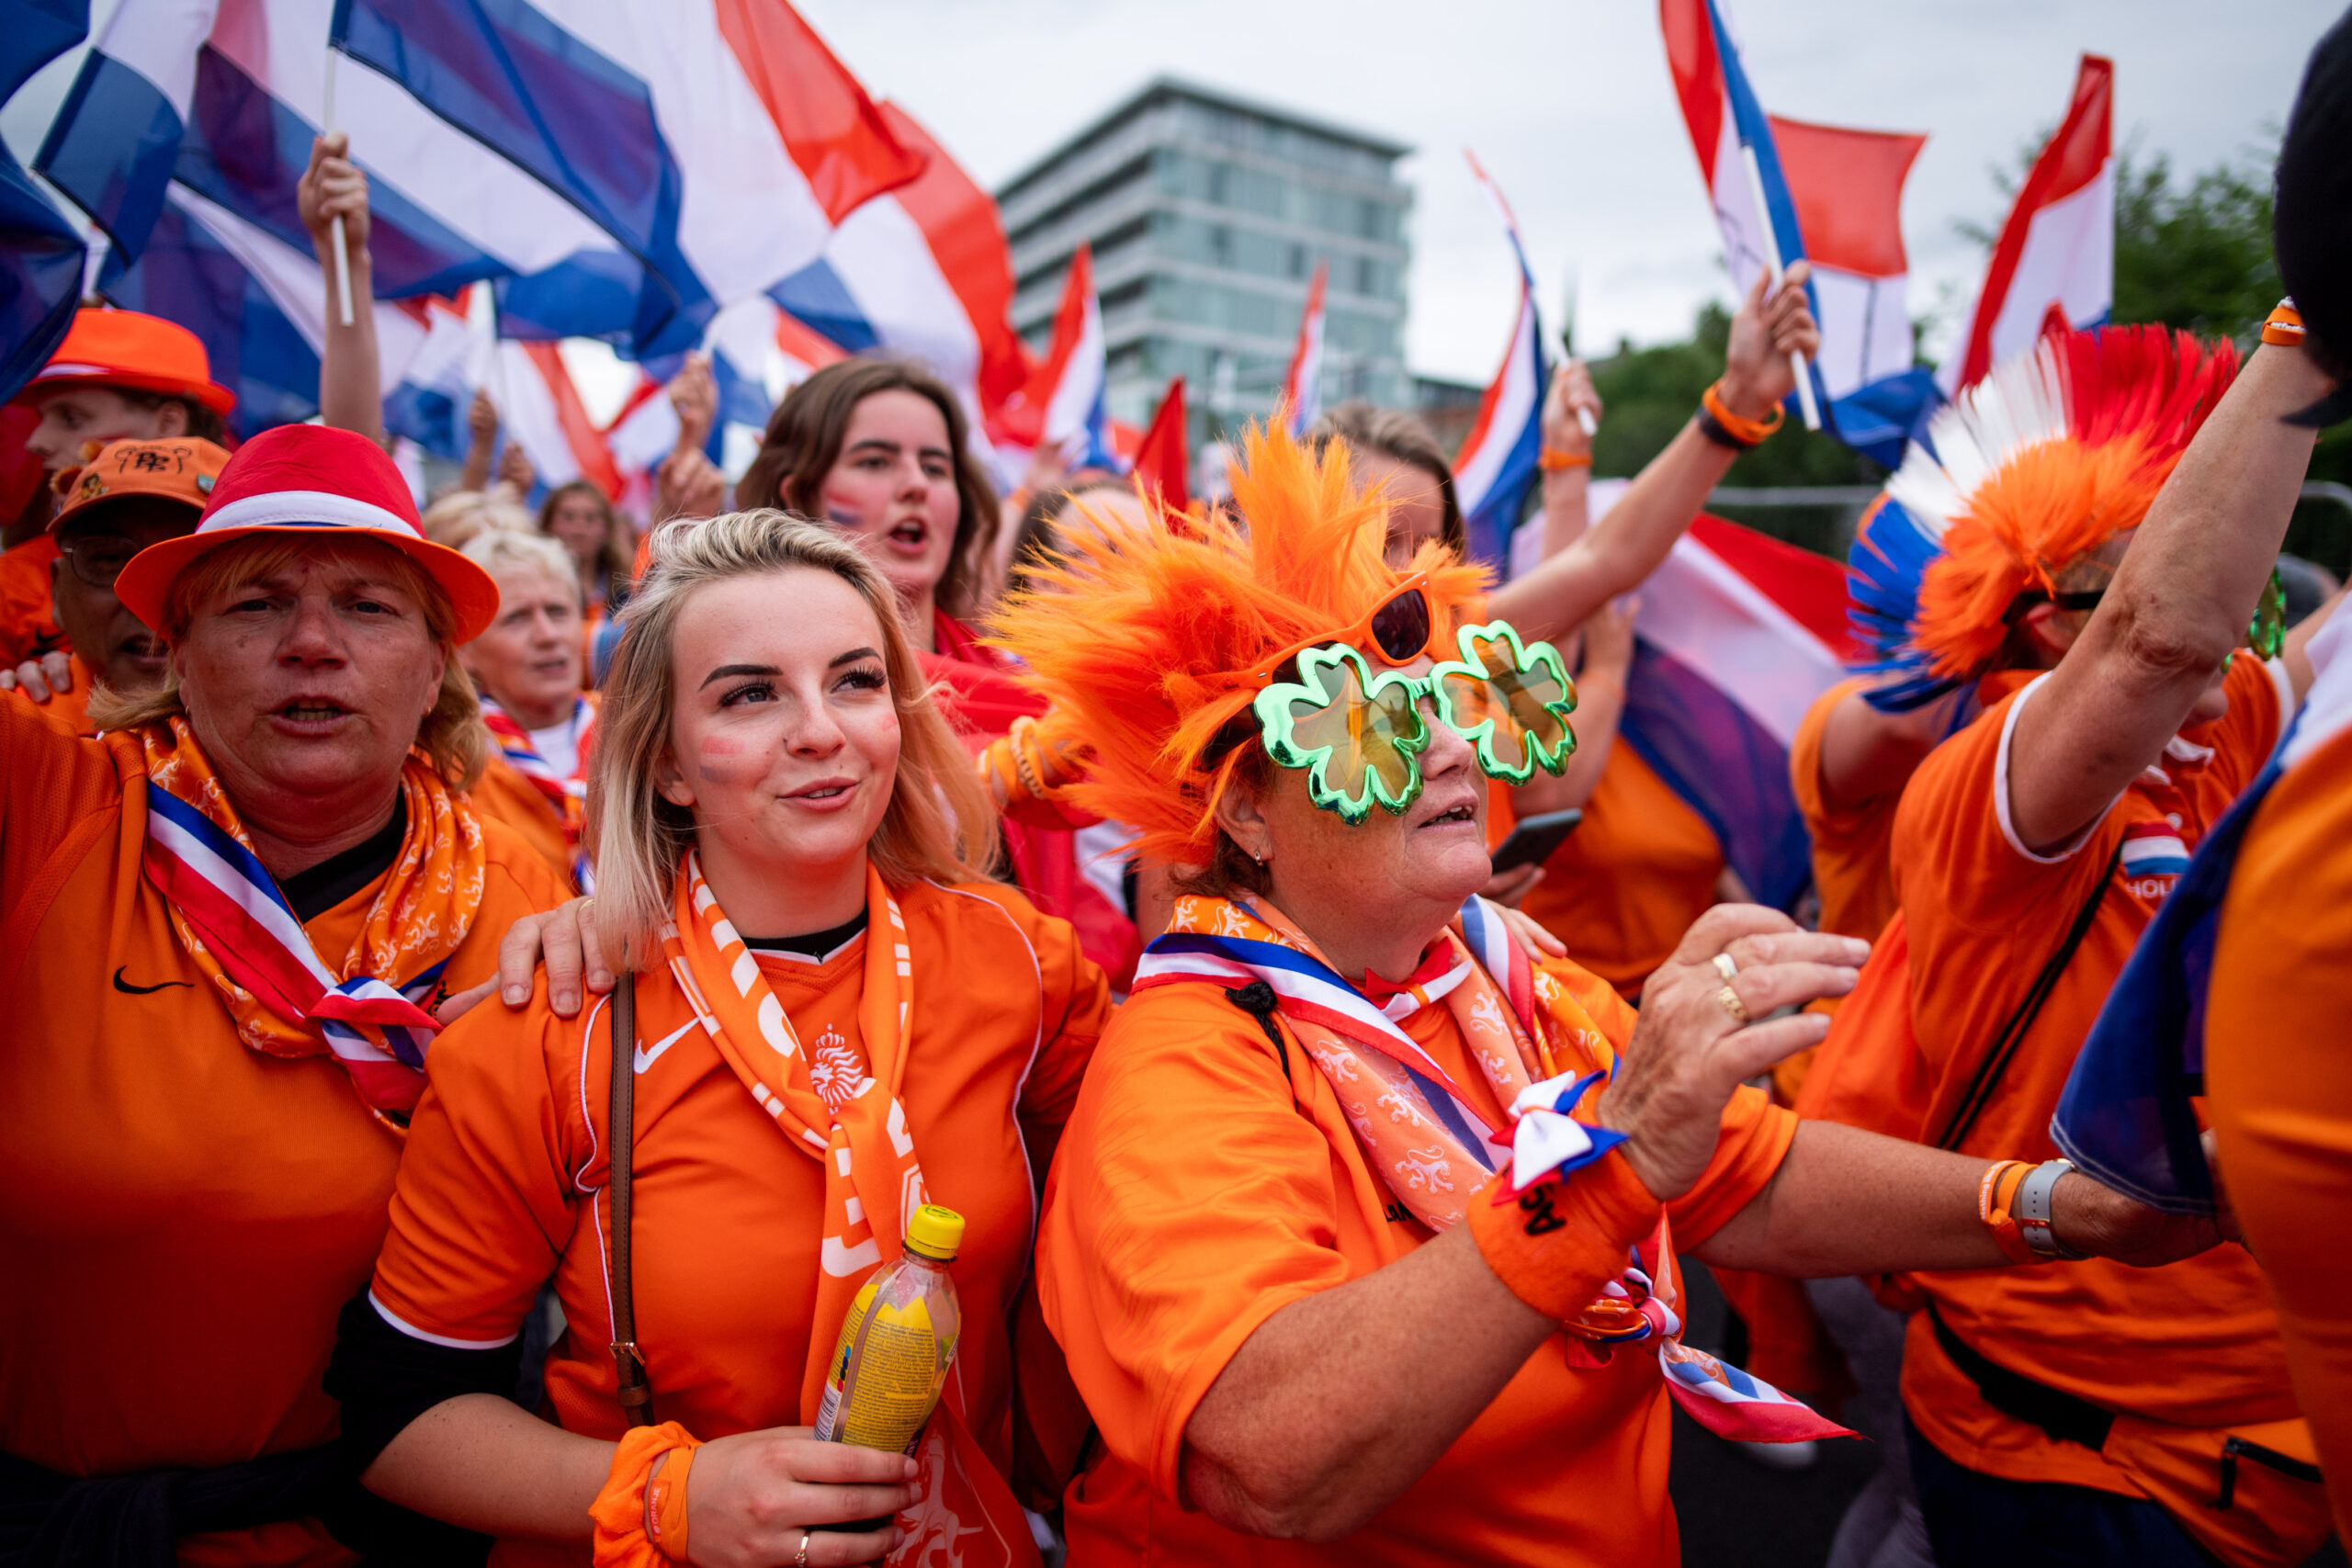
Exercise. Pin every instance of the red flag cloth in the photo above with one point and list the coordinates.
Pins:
(1162, 462)
(836, 134)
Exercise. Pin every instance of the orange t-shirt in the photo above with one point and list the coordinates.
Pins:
(502, 1185)
(2195, 1343)
(1626, 884)
(1199, 1193)
(69, 710)
(28, 623)
(1851, 867)
(503, 794)
(183, 1216)
(2280, 1080)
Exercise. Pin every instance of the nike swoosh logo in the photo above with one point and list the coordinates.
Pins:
(128, 990)
(645, 1058)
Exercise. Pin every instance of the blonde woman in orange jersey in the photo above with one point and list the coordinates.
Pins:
(837, 1019)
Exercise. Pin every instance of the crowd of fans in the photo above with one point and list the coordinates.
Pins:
(453, 955)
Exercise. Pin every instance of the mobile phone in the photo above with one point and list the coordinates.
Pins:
(1533, 840)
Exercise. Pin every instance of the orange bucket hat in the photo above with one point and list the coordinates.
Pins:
(126, 348)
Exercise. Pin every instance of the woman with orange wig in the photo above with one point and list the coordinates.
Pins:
(2051, 564)
(1363, 1232)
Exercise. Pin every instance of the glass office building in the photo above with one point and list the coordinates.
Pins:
(1207, 215)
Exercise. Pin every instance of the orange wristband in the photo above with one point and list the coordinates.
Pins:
(1557, 1244)
(2285, 327)
(1993, 1196)
(1750, 432)
(1553, 460)
(665, 1505)
(622, 1509)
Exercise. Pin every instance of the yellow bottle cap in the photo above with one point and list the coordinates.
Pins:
(935, 1233)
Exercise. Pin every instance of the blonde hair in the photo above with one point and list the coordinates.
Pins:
(497, 548)
(939, 823)
(461, 516)
(451, 735)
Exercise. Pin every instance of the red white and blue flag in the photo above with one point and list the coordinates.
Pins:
(1303, 384)
(1497, 463)
(1737, 634)
(2054, 266)
(727, 140)
(1834, 197)
(1064, 405)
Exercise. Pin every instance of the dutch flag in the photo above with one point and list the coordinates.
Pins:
(1497, 462)
(1303, 386)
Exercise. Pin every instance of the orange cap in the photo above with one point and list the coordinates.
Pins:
(125, 348)
(179, 469)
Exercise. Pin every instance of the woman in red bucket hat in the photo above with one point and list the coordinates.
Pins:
(231, 923)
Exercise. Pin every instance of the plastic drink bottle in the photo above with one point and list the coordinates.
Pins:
(896, 1343)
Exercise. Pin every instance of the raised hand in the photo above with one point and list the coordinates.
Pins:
(693, 393)
(1570, 395)
(332, 187)
(1757, 375)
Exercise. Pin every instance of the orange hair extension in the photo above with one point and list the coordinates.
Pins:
(2133, 399)
(1124, 633)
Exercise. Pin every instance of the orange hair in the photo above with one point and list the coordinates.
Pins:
(2066, 449)
(1125, 633)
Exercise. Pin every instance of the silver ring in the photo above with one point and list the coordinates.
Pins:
(1727, 967)
(800, 1558)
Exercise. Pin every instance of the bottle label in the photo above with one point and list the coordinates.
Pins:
(888, 1370)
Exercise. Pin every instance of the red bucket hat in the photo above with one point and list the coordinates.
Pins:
(308, 479)
(125, 348)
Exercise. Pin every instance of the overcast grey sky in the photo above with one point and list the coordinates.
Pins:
(1569, 106)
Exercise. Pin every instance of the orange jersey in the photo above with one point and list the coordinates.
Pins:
(28, 615)
(502, 1188)
(71, 709)
(183, 1216)
(1200, 1189)
(2196, 1343)
(1851, 868)
(1630, 880)
(2280, 1080)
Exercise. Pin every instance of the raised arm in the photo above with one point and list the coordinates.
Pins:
(481, 442)
(1616, 557)
(2178, 606)
(351, 389)
(1866, 754)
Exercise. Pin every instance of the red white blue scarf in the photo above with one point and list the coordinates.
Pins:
(566, 792)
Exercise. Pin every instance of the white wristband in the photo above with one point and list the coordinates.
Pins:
(2031, 1210)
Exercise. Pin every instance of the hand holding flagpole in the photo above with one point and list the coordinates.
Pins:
(342, 246)
(1805, 400)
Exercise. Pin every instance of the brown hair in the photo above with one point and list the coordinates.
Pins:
(939, 824)
(451, 735)
(804, 439)
(613, 559)
(1400, 438)
(203, 424)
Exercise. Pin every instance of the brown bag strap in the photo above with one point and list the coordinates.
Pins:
(632, 1387)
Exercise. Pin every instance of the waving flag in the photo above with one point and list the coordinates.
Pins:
(924, 272)
(1737, 634)
(621, 170)
(1063, 403)
(1497, 465)
(1163, 463)
(2054, 263)
(1847, 186)
(1835, 198)
(41, 254)
(1303, 387)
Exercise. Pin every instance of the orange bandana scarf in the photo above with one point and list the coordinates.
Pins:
(286, 999)
(873, 1181)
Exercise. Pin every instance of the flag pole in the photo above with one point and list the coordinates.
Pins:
(1568, 347)
(1806, 403)
(342, 246)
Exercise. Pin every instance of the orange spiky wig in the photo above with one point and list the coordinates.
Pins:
(2028, 471)
(1125, 633)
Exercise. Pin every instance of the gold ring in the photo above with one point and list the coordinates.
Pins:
(1733, 1005)
(1727, 967)
(800, 1558)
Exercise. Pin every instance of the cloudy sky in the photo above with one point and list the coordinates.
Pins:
(1568, 104)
